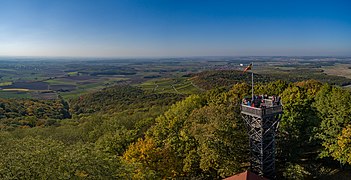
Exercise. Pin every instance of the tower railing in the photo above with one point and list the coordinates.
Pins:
(261, 112)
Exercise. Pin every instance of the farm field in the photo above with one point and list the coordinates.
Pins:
(169, 85)
(27, 85)
(14, 94)
(70, 78)
(343, 70)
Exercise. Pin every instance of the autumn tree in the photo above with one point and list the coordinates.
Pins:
(334, 108)
(298, 121)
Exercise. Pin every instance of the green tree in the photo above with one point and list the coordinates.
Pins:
(295, 172)
(201, 136)
(116, 142)
(298, 122)
(334, 108)
(220, 139)
(43, 158)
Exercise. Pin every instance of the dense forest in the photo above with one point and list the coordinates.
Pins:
(214, 78)
(24, 113)
(123, 132)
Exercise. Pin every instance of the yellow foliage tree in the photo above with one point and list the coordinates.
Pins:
(343, 150)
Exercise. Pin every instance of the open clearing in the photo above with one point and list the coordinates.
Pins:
(14, 94)
(27, 85)
(170, 85)
(338, 70)
(15, 89)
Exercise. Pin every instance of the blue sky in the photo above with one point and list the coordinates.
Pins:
(152, 28)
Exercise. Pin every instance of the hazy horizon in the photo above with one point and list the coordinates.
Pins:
(193, 56)
(161, 29)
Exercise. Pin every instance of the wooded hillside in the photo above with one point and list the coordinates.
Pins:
(125, 133)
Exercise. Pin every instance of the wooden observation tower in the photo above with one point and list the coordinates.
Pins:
(262, 122)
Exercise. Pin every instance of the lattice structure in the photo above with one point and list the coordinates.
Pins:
(262, 125)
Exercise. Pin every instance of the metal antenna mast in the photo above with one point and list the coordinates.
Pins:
(252, 82)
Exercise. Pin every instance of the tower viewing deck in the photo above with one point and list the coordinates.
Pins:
(261, 112)
(262, 116)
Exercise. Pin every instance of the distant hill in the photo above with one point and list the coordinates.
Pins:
(212, 79)
(119, 98)
(219, 78)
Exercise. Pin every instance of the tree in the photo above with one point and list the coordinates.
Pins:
(117, 142)
(295, 172)
(30, 158)
(149, 160)
(201, 136)
(343, 150)
(41, 158)
(221, 144)
(334, 108)
(271, 88)
(297, 123)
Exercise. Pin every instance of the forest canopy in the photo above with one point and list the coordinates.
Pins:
(124, 132)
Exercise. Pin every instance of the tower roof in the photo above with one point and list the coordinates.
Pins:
(247, 175)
